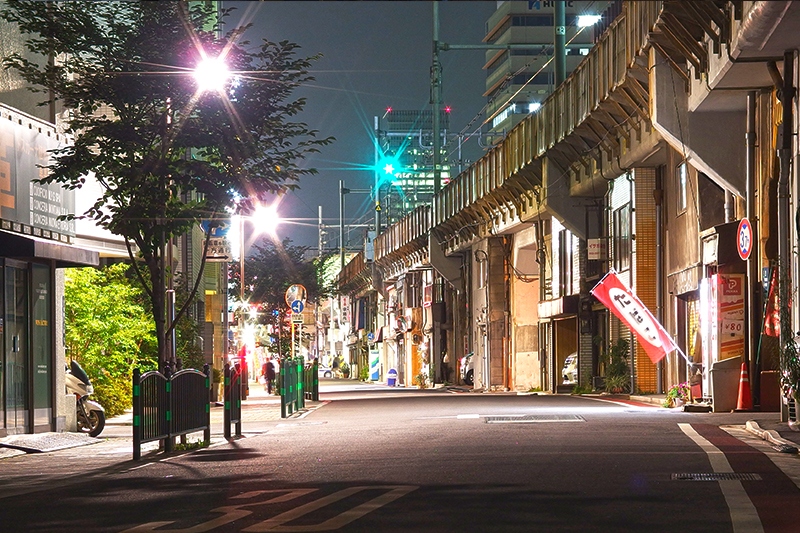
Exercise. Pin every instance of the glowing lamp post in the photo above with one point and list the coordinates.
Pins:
(211, 74)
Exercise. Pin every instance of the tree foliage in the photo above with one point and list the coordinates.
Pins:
(108, 331)
(166, 154)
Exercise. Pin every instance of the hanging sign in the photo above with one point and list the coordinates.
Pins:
(622, 302)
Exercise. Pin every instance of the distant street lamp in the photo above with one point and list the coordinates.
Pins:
(265, 219)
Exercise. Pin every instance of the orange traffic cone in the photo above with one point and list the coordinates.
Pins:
(745, 402)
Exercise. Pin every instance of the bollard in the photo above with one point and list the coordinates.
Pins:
(283, 389)
(207, 433)
(137, 415)
(315, 377)
(226, 418)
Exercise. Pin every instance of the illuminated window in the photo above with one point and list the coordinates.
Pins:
(621, 222)
(682, 179)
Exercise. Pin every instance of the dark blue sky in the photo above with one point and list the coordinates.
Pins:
(375, 54)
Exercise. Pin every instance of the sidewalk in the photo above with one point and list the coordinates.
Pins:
(765, 425)
(260, 412)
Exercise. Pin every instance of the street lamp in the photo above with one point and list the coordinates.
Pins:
(211, 74)
(265, 219)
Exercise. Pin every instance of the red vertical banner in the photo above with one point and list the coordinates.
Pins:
(619, 299)
(772, 314)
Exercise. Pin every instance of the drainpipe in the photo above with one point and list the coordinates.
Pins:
(785, 156)
(752, 262)
(658, 196)
(729, 215)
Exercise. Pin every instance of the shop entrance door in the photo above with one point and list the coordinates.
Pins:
(15, 380)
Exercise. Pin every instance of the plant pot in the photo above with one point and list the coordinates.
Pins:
(677, 402)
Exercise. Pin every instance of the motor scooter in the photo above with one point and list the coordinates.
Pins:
(91, 415)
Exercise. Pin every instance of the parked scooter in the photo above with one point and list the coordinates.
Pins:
(91, 415)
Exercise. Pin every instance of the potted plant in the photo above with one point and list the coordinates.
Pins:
(677, 395)
(344, 368)
(614, 361)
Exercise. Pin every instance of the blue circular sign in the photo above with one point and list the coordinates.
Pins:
(370, 336)
(744, 239)
(297, 306)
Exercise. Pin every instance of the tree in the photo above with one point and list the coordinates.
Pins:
(273, 268)
(166, 154)
(107, 330)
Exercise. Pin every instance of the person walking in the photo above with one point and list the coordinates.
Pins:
(269, 376)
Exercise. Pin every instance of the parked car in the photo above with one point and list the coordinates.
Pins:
(324, 371)
(570, 370)
(467, 369)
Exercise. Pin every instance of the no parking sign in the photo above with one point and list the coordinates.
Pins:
(744, 239)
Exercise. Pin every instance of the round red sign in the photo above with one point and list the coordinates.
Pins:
(744, 239)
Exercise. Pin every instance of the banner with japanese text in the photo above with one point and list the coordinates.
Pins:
(619, 299)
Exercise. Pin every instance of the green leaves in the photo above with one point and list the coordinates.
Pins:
(107, 331)
(166, 155)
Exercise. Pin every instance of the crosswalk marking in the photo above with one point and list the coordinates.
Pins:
(231, 513)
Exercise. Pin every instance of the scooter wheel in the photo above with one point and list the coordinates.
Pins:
(94, 425)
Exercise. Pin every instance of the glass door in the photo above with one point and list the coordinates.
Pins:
(16, 348)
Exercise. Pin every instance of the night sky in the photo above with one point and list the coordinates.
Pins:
(375, 55)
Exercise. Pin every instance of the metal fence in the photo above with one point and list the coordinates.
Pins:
(167, 405)
(311, 381)
(298, 383)
(234, 388)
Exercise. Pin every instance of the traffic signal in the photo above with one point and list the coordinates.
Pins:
(389, 165)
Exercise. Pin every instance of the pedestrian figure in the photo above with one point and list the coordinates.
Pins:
(269, 376)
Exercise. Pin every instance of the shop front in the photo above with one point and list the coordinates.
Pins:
(34, 244)
(558, 342)
(32, 360)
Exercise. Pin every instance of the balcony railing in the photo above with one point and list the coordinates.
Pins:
(512, 168)
(407, 231)
(603, 69)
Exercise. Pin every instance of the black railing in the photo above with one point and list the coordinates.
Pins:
(298, 383)
(234, 389)
(167, 405)
(291, 386)
(311, 381)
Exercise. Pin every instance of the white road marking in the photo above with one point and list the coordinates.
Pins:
(230, 514)
(743, 513)
(344, 518)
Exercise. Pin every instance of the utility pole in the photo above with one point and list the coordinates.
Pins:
(436, 102)
(317, 342)
(377, 179)
(342, 191)
(560, 29)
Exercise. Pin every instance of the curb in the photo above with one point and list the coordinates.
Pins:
(771, 436)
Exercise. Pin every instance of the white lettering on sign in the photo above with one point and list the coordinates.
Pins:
(638, 317)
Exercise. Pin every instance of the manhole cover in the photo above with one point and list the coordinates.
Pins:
(533, 419)
(717, 476)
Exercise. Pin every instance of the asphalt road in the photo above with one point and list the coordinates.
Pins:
(373, 459)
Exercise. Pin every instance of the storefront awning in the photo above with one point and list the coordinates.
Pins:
(24, 247)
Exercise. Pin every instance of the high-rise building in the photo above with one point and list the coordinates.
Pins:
(405, 160)
(518, 80)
